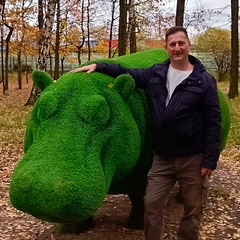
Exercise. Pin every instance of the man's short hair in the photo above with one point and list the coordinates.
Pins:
(174, 30)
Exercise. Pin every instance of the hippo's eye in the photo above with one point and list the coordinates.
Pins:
(94, 109)
(48, 105)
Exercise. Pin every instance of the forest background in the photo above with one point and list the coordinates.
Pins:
(57, 35)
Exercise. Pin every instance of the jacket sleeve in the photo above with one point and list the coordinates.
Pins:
(141, 76)
(212, 116)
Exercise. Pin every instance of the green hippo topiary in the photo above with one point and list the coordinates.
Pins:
(88, 136)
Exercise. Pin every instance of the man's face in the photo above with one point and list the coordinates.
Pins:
(177, 47)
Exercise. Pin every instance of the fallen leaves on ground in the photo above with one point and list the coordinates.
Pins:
(221, 220)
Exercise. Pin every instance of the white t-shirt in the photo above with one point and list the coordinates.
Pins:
(174, 77)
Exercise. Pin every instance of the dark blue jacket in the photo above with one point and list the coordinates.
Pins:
(191, 122)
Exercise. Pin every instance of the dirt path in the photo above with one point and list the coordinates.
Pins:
(221, 218)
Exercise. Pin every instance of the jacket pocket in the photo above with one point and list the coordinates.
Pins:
(156, 88)
(191, 97)
(195, 89)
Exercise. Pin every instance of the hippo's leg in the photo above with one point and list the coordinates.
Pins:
(75, 228)
(135, 219)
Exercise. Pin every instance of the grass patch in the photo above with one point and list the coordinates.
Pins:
(13, 113)
(13, 124)
(220, 192)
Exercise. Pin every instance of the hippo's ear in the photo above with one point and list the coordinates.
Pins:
(42, 79)
(124, 84)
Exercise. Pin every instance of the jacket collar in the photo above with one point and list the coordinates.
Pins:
(198, 68)
(196, 73)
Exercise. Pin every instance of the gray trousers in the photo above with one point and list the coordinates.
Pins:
(162, 176)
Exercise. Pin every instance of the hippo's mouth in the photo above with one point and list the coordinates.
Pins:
(60, 197)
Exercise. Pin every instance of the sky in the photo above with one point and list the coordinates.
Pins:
(222, 20)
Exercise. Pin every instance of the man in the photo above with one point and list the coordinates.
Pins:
(186, 126)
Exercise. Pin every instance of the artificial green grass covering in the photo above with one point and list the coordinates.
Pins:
(88, 134)
(226, 119)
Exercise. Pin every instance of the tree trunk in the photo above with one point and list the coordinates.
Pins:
(111, 30)
(132, 25)
(44, 43)
(2, 6)
(234, 72)
(26, 70)
(180, 12)
(62, 65)
(51, 66)
(122, 28)
(40, 14)
(57, 43)
(2, 62)
(79, 55)
(19, 69)
(81, 44)
(7, 54)
(88, 31)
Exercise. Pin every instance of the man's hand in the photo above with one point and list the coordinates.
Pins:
(206, 172)
(89, 68)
